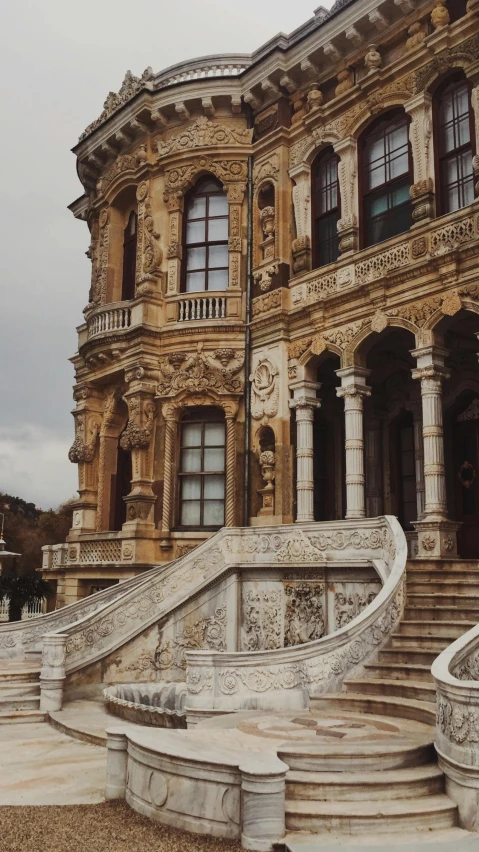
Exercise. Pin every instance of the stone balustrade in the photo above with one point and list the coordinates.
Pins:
(456, 673)
(109, 318)
(436, 238)
(201, 308)
(199, 788)
(377, 542)
(207, 67)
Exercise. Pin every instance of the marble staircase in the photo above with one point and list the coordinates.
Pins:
(20, 691)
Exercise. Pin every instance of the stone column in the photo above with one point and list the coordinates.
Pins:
(304, 402)
(373, 448)
(170, 413)
(436, 534)
(83, 452)
(353, 390)
(116, 763)
(112, 397)
(230, 469)
(301, 246)
(420, 135)
(138, 438)
(52, 673)
(346, 150)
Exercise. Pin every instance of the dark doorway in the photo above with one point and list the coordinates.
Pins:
(466, 475)
(121, 486)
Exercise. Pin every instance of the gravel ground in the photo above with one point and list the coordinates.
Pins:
(107, 827)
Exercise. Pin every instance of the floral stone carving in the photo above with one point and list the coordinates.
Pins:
(304, 616)
(129, 88)
(136, 437)
(262, 615)
(82, 451)
(205, 633)
(203, 133)
(201, 371)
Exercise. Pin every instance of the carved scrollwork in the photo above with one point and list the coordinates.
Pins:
(82, 451)
(203, 133)
(304, 616)
(265, 388)
(217, 371)
(205, 633)
(134, 436)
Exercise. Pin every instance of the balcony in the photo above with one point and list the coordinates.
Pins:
(112, 318)
(421, 244)
(110, 323)
(201, 307)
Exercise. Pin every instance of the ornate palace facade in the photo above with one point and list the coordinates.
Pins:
(283, 315)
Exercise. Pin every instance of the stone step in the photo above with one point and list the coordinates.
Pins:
(433, 644)
(420, 691)
(398, 671)
(15, 703)
(378, 816)
(25, 716)
(409, 783)
(423, 586)
(412, 655)
(449, 629)
(358, 758)
(440, 613)
(399, 700)
(19, 689)
(19, 674)
(441, 599)
(444, 840)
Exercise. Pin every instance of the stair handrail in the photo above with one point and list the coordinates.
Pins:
(16, 637)
(286, 677)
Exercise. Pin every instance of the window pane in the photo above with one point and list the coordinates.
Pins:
(214, 459)
(190, 460)
(191, 487)
(217, 230)
(195, 232)
(214, 487)
(399, 164)
(196, 208)
(214, 434)
(190, 514)
(218, 279)
(214, 513)
(191, 434)
(195, 282)
(218, 205)
(196, 258)
(377, 175)
(463, 131)
(400, 195)
(208, 185)
(218, 256)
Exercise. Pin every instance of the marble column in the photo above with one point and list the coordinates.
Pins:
(436, 534)
(304, 403)
(353, 390)
(373, 450)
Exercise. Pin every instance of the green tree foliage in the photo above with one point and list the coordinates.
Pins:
(28, 528)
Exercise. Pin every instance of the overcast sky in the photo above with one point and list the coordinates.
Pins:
(58, 61)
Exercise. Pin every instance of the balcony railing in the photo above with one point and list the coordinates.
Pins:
(202, 308)
(112, 318)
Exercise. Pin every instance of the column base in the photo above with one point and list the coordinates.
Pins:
(436, 539)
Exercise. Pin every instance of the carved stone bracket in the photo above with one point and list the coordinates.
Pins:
(265, 390)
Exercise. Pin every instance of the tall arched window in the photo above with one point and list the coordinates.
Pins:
(454, 149)
(129, 258)
(206, 238)
(385, 177)
(325, 208)
(202, 469)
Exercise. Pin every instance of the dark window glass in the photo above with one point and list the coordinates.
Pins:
(206, 239)
(386, 181)
(129, 258)
(325, 209)
(454, 147)
(202, 473)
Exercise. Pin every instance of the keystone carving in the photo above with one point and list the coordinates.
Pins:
(201, 371)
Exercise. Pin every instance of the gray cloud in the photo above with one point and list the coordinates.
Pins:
(58, 60)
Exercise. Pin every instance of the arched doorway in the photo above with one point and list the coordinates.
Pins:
(328, 444)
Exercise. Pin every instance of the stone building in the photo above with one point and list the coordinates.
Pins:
(283, 319)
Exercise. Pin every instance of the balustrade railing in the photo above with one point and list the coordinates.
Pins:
(109, 319)
(202, 308)
(203, 68)
(28, 611)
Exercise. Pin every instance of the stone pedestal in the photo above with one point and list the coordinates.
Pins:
(436, 539)
(52, 673)
(263, 802)
(116, 763)
(304, 402)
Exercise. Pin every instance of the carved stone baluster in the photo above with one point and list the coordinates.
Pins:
(353, 391)
(437, 536)
(304, 402)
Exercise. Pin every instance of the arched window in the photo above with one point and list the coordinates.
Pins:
(129, 258)
(454, 148)
(325, 208)
(385, 175)
(206, 238)
(202, 469)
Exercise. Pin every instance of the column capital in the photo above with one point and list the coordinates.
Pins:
(353, 382)
(353, 390)
(431, 355)
(304, 394)
(435, 373)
